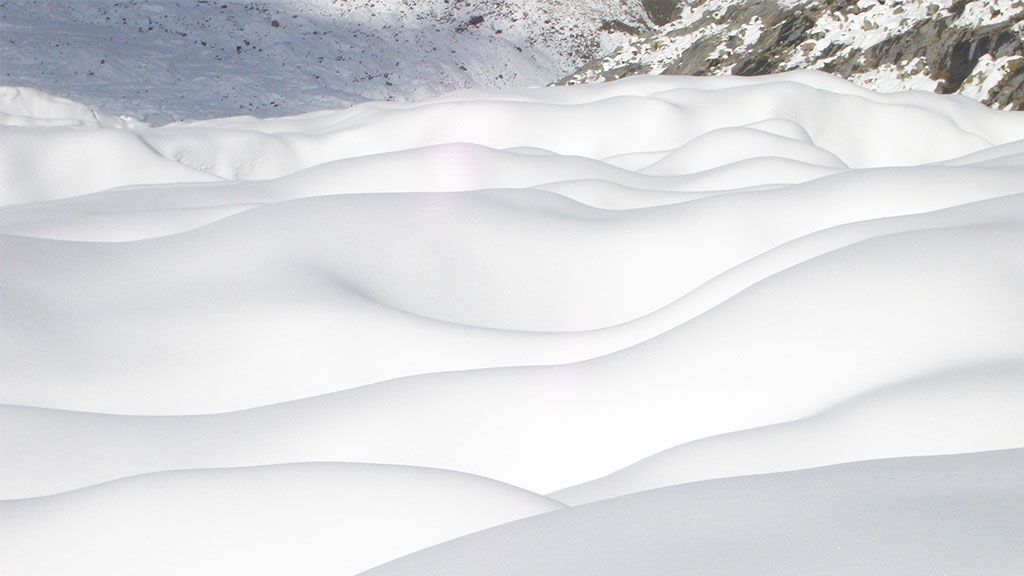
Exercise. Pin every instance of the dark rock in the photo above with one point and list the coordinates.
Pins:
(661, 11)
(937, 46)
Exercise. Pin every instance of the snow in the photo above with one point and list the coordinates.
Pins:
(672, 40)
(907, 517)
(879, 20)
(255, 520)
(988, 12)
(909, 75)
(749, 34)
(937, 414)
(131, 57)
(329, 340)
(874, 22)
(987, 74)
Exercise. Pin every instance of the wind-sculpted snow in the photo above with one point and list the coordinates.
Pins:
(584, 291)
(937, 414)
(904, 517)
(255, 520)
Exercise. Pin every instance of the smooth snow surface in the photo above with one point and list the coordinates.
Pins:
(262, 520)
(453, 307)
(916, 516)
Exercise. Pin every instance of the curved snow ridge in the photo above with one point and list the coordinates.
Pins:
(141, 212)
(907, 516)
(860, 128)
(319, 277)
(1003, 155)
(316, 518)
(148, 211)
(967, 410)
(726, 145)
(547, 427)
(24, 106)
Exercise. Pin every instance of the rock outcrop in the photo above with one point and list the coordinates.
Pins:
(974, 48)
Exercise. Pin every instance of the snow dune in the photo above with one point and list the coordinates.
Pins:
(936, 515)
(648, 114)
(255, 520)
(546, 427)
(586, 292)
(945, 413)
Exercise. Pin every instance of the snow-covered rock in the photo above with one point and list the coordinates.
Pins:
(971, 47)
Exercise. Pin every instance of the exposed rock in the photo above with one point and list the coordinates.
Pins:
(661, 11)
(971, 47)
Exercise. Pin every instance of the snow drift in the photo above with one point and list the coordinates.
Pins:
(586, 292)
(255, 520)
(952, 514)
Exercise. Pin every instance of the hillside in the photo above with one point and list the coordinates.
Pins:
(968, 47)
(163, 60)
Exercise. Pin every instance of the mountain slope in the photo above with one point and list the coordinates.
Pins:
(163, 60)
(970, 47)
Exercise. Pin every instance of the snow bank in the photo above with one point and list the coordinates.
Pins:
(317, 518)
(943, 514)
(945, 413)
(801, 344)
(859, 127)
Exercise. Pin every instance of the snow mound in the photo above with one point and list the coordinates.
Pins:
(727, 145)
(906, 517)
(947, 413)
(23, 106)
(860, 128)
(316, 518)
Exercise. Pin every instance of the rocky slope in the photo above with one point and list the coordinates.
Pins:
(970, 47)
(166, 60)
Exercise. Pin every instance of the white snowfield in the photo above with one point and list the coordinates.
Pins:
(262, 520)
(322, 342)
(906, 517)
(276, 57)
